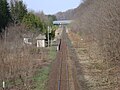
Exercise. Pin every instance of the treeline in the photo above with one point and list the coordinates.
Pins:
(98, 23)
(5, 16)
(15, 13)
(12, 13)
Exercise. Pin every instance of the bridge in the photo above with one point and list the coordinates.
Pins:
(62, 22)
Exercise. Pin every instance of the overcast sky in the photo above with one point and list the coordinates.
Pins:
(51, 6)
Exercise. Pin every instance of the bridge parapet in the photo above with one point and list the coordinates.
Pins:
(62, 22)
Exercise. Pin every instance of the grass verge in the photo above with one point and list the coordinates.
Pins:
(41, 77)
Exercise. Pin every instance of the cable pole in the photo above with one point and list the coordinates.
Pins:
(48, 35)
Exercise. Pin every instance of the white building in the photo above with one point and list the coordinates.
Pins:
(40, 40)
(27, 39)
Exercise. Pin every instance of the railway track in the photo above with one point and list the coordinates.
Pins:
(59, 76)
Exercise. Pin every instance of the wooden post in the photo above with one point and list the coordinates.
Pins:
(3, 85)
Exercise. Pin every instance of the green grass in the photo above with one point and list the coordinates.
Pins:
(52, 53)
(41, 77)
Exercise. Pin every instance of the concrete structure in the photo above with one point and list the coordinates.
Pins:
(27, 39)
(58, 33)
(62, 22)
(40, 40)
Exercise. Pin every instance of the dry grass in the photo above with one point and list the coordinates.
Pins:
(98, 23)
(18, 62)
(98, 74)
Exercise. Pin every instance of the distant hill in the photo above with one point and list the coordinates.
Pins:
(65, 15)
(69, 14)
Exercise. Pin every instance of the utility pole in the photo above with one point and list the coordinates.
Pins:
(48, 35)
(50, 31)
